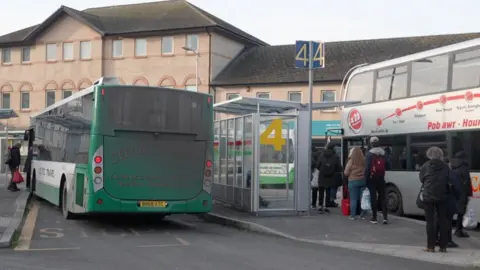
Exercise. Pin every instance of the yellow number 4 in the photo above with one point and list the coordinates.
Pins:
(319, 55)
(276, 140)
(302, 55)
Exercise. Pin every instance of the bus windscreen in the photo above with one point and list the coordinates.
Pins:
(160, 110)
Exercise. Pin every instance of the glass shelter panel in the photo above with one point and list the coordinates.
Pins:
(239, 145)
(230, 152)
(216, 152)
(233, 161)
(277, 137)
(223, 152)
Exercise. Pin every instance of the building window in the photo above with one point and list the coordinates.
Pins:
(25, 100)
(192, 42)
(167, 45)
(6, 55)
(329, 96)
(117, 48)
(67, 93)
(68, 51)
(85, 50)
(232, 96)
(5, 100)
(140, 47)
(263, 95)
(51, 53)
(25, 54)
(50, 98)
(192, 88)
(429, 75)
(295, 96)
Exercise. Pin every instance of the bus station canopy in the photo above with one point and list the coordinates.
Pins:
(7, 114)
(248, 105)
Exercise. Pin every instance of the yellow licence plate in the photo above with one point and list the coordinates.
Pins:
(153, 204)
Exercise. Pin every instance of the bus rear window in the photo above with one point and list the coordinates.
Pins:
(158, 110)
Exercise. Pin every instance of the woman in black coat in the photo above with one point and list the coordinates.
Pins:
(13, 163)
(329, 176)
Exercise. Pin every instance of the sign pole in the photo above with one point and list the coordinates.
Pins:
(8, 144)
(310, 97)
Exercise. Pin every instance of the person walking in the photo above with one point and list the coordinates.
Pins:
(460, 166)
(375, 168)
(13, 163)
(354, 171)
(330, 175)
(434, 196)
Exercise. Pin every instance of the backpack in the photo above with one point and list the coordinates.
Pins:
(378, 165)
(328, 166)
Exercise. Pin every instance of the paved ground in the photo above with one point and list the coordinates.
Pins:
(8, 210)
(179, 242)
(402, 237)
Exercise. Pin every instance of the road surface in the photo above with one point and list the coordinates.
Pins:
(179, 242)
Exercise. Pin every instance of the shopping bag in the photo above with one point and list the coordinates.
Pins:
(314, 183)
(17, 177)
(470, 219)
(365, 203)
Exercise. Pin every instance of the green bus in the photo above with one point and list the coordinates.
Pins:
(115, 148)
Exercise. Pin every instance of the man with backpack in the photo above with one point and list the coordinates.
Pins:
(330, 175)
(375, 167)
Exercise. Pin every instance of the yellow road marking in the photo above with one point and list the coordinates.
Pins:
(28, 228)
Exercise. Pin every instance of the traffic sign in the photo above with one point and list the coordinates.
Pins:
(303, 57)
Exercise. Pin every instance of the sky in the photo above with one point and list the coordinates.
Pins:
(284, 21)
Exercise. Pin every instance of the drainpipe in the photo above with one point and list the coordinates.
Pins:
(209, 59)
(102, 59)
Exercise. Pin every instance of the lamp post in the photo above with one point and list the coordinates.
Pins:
(187, 49)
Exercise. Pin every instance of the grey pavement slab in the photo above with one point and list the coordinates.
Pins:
(12, 208)
(202, 246)
(401, 238)
(337, 227)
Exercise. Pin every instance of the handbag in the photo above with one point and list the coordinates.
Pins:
(420, 203)
(17, 177)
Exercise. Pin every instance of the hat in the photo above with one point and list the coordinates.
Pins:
(374, 140)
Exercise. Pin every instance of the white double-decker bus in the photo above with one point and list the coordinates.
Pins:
(413, 102)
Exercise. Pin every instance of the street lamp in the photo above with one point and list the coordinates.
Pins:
(188, 49)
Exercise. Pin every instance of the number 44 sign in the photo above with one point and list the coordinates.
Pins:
(276, 139)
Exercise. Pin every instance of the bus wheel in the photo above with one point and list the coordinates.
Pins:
(64, 202)
(394, 200)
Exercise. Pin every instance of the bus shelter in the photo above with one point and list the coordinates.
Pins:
(261, 161)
